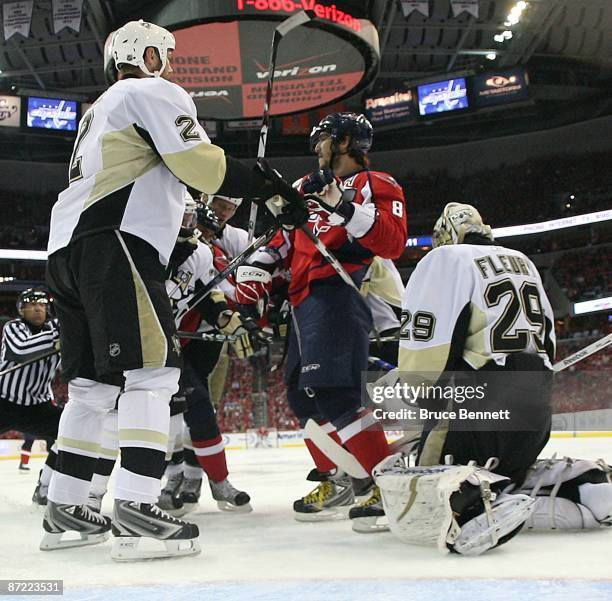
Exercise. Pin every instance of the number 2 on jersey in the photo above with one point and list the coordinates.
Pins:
(75, 173)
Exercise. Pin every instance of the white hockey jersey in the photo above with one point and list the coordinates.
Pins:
(382, 287)
(475, 302)
(233, 241)
(135, 146)
(181, 287)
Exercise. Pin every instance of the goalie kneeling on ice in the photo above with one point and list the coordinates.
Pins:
(458, 508)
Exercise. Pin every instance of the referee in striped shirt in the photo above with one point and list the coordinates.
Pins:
(25, 393)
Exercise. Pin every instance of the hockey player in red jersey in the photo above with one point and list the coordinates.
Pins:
(358, 213)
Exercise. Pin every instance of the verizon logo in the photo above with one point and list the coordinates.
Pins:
(298, 71)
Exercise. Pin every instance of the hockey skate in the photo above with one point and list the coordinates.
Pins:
(229, 498)
(330, 500)
(139, 527)
(170, 499)
(369, 516)
(189, 494)
(59, 518)
(23, 469)
(362, 488)
(39, 498)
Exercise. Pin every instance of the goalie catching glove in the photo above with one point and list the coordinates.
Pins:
(250, 337)
(327, 191)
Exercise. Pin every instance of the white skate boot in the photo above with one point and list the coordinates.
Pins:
(139, 527)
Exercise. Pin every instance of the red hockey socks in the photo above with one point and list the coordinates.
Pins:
(211, 456)
(25, 457)
(365, 439)
(322, 463)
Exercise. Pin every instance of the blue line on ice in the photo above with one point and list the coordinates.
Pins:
(354, 590)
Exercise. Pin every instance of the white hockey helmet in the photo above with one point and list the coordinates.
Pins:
(110, 69)
(234, 201)
(456, 221)
(130, 42)
(190, 217)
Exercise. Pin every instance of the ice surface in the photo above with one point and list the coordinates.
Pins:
(267, 555)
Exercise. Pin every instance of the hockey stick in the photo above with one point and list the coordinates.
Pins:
(29, 362)
(207, 337)
(587, 351)
(204, 336)
(335, 452)
(280, 32)
(236, 262)
(338, 268)
(346, 462)
(377, 362)
(340, 456)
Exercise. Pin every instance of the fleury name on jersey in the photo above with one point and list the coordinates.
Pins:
(495, 305)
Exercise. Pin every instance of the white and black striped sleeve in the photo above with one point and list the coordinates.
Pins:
(21, 344)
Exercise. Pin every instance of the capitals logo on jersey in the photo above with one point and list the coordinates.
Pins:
(319, 217)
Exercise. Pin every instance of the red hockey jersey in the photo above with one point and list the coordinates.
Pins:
(377, 228)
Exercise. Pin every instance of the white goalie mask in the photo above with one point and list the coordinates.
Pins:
(130, 42)
(458, 220)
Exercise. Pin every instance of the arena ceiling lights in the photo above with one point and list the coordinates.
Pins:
(513, 18)
(223, 48)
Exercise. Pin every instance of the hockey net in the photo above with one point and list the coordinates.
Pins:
(261, 438)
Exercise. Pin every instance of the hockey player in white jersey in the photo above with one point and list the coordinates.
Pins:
(207, 447)
(230, 239)
(382, 288)
(493, 319)
(471, 307)
(111, 233)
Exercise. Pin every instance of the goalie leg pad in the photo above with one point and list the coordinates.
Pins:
(569, 493)
(560, 514)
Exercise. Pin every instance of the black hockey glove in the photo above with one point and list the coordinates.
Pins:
(282, 200)
(182, 250)
(327, 191)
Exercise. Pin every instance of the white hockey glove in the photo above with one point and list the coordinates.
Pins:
(326, 189)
